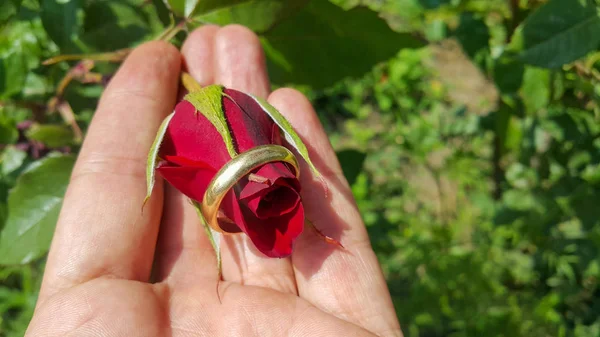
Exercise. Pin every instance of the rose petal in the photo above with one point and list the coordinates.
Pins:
(274, 236)
(190, 135)
(189, 180)
(183, 161)
(272, 172)
(250, 125)
(279, 199)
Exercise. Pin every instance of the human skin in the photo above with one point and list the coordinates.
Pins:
(115, 271)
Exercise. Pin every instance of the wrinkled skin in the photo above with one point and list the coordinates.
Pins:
(113, 271)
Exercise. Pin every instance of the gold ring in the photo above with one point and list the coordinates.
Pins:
(237, 168)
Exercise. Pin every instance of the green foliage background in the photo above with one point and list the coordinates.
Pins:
(468, 129)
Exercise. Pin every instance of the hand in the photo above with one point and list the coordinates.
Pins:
(98, 275)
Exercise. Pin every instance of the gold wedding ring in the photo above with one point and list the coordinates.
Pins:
(237, 168)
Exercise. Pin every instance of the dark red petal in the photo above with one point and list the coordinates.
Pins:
(272, 172)
(189, 180)
(279, 199)
(192, 136)
(276, 135)
(249, 123)
(183, 161)
(275, 236)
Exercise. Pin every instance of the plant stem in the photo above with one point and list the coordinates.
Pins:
(189, 83)
(115, 56)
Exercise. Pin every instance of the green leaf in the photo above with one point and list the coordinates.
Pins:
(501, 126)
(205, 6)
(107, 20)
(433, 4)
(209, 102)
(33, 207)
(592, 174)
(288, 130)
(163, 13)
(153, 157)
(258, 15)
(189, 8)
(177, 7)
(11, 159)
(3, 215)
(536, 89)
(560, 32)
(21, 47)
(60, 21)
(8, 133)
(51, 135)
(182, 7)
(323, 44)
(473, 34)
(8, 8)
(508, 74)
(13, 72)
(519, 200)
(213, 236)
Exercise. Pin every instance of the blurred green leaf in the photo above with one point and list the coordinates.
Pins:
(309, 47)
(60, 21)
(535, 91)
(258, 15)
(13, 72)
(560, 32)
(178, 6)
(8, 133)
(432, 4)
(436, 31)
(519, 200)
(162, 12)
(472, 33)
(36, 86)
(188, 8)
(11, 159)
(592, 174)
(33, 207)
(521, 177)
(8, 8)
(21, 48)
(352, 163)
(51, 135)
(109, 19)
(508, 74)
(3, 215)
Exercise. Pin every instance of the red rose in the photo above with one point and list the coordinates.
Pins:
(266, 204)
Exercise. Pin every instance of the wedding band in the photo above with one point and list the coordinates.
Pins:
(237, 168)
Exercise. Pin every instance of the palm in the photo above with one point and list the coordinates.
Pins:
(106, 307)
(112, 271)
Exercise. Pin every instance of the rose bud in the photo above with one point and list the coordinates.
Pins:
(210, 127)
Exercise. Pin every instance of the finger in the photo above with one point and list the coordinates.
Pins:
(184, 253)
(241, 66)
(101, 230)
(198, 52)
(240, 61)
(347, 283)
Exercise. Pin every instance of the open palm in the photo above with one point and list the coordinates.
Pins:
(114, 271)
